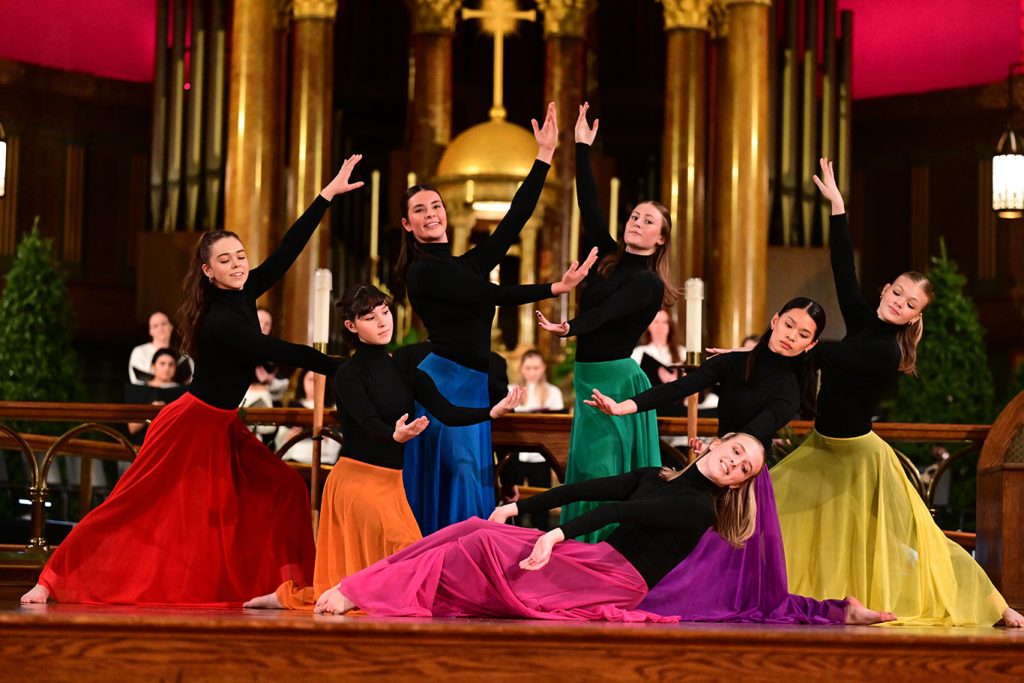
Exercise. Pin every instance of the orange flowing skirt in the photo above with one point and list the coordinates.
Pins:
(364, 518)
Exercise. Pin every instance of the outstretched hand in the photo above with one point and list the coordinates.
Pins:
(516, 393)
(828, 188)
(575, 274)
(341, 184)
(610, 406)
(561, 329)
(503, 513)
(547, 134)
(542, 550)
(584, 132)
(404, 432)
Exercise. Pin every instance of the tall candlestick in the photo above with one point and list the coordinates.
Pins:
(321, 307)
(569, 310)
(693, 292)
(410, 179)
(374, 215)
(613, 209)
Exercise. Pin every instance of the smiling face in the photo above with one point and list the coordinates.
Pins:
(731, 462)
(793, 332)
(426, 217)
(902, 301)
(374, 327)
(228, 267)
(160, 329)
(643, 231)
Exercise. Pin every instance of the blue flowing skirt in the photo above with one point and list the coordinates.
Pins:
(449, 471)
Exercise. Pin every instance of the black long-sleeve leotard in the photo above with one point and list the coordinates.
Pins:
(615, 310)
(860, 370)
(374, 390)
(229, 342)
(759, 407)
(453, 294)
(660, 522)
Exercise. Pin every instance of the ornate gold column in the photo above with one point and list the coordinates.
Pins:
(309, 138)
(249, 187)
(740, 196)
(684, 145)
(433, 25)
(565, 60)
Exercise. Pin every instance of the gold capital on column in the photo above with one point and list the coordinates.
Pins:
(565, 17)
(686, 13)
(314, 9)
(433, 16)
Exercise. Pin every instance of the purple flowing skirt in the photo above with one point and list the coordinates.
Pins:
(471, 569)
(720, 583)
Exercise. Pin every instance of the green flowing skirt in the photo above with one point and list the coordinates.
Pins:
(603, 445)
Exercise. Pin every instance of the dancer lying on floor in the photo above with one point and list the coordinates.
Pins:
(483, 569)
(365, 515)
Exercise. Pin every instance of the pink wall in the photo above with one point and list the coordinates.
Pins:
(112, 38)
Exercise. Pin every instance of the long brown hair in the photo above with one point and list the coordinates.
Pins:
(659, 261)
(197, 289)
(410, 249)
(673, 336)
(910, 335)
(735, 509)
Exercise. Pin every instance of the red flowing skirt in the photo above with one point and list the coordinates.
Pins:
(206, 515)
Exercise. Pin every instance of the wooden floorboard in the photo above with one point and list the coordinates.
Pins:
(80, 643)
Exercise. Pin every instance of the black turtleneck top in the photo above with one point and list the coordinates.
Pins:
(863, 368)
(453, 294)
(615, 310)
(374, 390)
(660, 522)
(230, 344)
(760, 407)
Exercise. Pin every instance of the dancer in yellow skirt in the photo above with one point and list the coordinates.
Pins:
(365, 515)
(851, 521)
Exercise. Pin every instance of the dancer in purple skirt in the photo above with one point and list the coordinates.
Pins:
(759, 392)
(482, 569)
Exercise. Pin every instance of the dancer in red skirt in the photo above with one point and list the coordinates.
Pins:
(206, 515)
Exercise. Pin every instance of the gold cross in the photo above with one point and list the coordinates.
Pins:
(499, 17)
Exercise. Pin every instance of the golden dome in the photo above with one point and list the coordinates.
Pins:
(495, 148)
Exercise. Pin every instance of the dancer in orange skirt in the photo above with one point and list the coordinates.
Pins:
(366, 516)
(206, 515)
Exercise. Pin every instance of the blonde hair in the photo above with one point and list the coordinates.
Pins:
(910, 335)
(735, 509)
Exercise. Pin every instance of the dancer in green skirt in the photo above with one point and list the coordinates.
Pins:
(621, 296)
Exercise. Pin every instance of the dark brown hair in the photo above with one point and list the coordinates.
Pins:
(197, 289)
(910, 335)
(410, 249)
(359, 300)
(673, 335)
(659, 261)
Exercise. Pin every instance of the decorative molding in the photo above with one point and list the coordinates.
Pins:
(565, 18)
(315, 9)
(692, 14)
(433, 16)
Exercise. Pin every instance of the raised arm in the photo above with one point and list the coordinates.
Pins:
(294, 241)
(680, 512)
(712, 372)
(637, 293)
(595, 227)
(844, 272)
(488, 253)
(618, 487)
(258, 347)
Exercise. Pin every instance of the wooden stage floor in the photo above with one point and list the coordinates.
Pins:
(81, 643)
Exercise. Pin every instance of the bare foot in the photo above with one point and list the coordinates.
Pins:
(268, 601)
(333, 602)
(39, 595)
(1011, 618)
(858, 614)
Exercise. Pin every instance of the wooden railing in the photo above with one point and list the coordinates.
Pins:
(545, 434)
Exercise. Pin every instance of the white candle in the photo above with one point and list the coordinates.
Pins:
(693, 292)
(374, 213)
(321, 305)
(574, 227)
(613, 209)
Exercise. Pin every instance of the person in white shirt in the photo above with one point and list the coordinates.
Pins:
(303, 450)
(160, 331)
(267, 373)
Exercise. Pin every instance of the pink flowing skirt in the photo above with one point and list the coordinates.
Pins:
(471, 569)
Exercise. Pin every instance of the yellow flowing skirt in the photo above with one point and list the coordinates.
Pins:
(852, 524)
